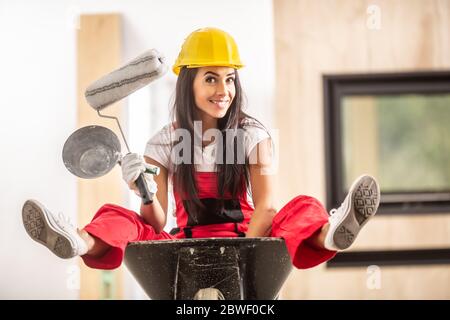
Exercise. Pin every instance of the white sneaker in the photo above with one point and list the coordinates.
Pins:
(358, 207)
(56, 233)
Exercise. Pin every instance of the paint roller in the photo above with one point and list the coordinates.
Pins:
(119, 84)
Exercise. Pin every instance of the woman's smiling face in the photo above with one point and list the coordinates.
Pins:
(214, 91)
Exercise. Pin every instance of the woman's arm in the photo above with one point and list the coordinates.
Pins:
(261, 180)
(155, 214)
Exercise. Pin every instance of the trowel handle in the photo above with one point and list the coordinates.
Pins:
(147, 197)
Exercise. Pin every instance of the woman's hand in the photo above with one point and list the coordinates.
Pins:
(133, 165)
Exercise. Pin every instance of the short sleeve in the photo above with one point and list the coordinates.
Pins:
(253, 136)
(158, 147)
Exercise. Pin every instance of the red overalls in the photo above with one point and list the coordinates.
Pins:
(297, 221)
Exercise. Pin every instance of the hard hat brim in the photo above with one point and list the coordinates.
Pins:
(177, 69)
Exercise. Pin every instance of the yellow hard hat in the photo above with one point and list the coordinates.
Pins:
(208, 47)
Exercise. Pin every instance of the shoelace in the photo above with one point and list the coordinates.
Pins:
(65, 221)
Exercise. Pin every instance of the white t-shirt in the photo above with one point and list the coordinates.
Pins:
(159, 147)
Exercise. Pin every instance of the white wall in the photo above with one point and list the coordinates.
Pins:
(38, 112)
(38, 85)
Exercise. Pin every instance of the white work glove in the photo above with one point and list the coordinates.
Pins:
(132, 166)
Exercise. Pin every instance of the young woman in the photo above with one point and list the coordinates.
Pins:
(222, 186)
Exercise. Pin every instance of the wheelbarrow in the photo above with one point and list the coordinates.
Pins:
(210, 268)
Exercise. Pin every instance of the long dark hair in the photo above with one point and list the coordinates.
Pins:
(233, 179)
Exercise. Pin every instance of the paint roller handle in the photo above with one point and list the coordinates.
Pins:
(134, 165)
(146, 195)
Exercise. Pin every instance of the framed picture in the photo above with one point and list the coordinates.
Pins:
(395, 127)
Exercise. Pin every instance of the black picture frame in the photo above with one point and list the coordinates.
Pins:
(436, 256)
(335, 87)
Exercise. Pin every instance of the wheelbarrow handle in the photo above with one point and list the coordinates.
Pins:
(147, 196)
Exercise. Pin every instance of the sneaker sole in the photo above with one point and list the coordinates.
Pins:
(363, 205)
(40, 229)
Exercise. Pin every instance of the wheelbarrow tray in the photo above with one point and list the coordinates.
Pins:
(241, 268)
